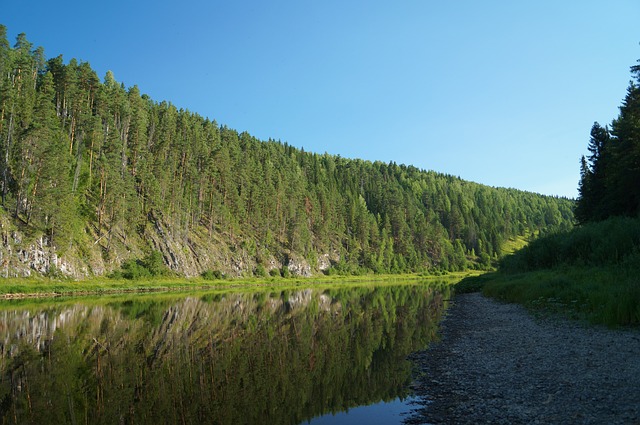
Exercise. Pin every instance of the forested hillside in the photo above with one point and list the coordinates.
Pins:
(93, 174)
(590, 271)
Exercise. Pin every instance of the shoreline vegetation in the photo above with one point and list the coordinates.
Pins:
(589, 273)
(21, 288)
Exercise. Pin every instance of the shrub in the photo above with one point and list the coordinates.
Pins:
(275, 273)
(155, 264)
(135, 269)
(346, 269)
(212, 275)
(150, 266)
(285, 271)
(260, 271)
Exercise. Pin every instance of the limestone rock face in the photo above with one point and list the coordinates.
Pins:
(188, 253)
(22, 257)
(298, 266)
(324, 262)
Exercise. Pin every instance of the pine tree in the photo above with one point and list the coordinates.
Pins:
(610, 178)
(592, 204)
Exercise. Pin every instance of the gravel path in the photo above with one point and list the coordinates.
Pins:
(498, 364)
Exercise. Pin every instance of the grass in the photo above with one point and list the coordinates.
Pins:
(611, 242)
(43, 287)
(591, 272)
(600, 295)
(516, 243)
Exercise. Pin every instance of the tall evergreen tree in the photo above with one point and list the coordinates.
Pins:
(610, 179)
(592, 203)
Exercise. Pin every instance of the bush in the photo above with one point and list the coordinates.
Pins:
(150, 266)
(260, 271)
(155, 264)
(346, 269)
(275, 273)
(135, 269)
(116, 274)
(54, 273)
(212, 275)
(285, 271)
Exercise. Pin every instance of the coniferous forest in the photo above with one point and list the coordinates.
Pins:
(94, 174)
(610, 175)
(591, 270)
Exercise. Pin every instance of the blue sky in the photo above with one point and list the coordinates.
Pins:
(503, 93)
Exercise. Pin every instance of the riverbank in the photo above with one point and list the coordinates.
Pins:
(496, 363)
(46, 288)
(590, 272)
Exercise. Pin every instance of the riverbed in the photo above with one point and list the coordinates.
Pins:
(498, 364)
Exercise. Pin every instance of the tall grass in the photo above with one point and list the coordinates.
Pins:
(591, 272)
(602, 295)
(609, 242)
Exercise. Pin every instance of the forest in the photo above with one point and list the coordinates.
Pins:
(591, 270)
(610, 175)
(101, 174)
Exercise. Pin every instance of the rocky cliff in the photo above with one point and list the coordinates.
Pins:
(186, 253)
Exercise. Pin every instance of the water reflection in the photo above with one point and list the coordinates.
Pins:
(382, 413)
(282, 357)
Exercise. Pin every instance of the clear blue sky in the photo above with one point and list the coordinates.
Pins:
(498, 92)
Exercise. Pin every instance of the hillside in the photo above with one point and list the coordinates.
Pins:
(591, 270)
(93, 174)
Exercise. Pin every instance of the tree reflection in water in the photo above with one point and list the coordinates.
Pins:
(280, 357)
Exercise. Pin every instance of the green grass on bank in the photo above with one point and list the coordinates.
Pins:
(591, 272)
(43, 287)
(601, 295)
(166, 292)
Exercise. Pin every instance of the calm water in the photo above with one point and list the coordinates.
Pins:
(281, 357)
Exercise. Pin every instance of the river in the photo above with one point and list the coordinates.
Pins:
(274, 356)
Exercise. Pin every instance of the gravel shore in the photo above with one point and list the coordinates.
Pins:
(498, 364)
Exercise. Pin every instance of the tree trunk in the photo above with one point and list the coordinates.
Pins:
(34, 191)
(5, 177)
(103, 191)
(91, 160)
(76, 175)
(72, 131)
